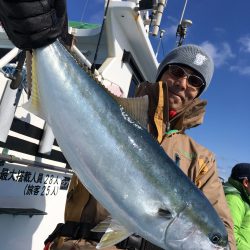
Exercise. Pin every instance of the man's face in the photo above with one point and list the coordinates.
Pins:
(183, 86)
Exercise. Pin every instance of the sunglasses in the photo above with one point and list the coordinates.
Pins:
(179, 72)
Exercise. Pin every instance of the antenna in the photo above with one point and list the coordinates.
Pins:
(182, 27)
(160, 41)
(182, 30)
(158, 16)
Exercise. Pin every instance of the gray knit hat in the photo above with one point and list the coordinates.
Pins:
(192, 56)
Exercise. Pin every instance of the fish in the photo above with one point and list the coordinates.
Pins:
(120, 163)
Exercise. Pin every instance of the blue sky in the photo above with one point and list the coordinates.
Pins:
(222, 28)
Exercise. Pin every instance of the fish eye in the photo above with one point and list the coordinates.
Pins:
(215, 238)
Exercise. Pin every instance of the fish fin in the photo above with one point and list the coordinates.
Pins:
(165, 213)
(137, 108)
(102, 226)
(111, 238)
(114, 233)
(34, 104)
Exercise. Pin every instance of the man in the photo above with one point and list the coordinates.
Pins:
(237, 191)
(173, 107)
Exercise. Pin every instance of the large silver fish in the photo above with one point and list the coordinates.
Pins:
(120, 163)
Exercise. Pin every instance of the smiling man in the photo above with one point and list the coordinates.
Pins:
(183, 85)
(174, 106)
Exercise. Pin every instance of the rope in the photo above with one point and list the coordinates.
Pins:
(100, 36)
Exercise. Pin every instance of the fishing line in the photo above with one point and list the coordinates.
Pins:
(163, 49)
(100, 36)
(84, 10)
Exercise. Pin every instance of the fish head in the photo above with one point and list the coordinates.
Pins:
(199, 241)
(184, 231)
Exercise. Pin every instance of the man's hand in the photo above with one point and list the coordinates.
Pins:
(31, 24)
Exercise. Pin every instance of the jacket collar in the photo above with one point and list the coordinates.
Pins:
(238, 186)
(191, 116)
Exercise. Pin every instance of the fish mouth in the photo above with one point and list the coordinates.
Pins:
(221, 248)
(190, 243)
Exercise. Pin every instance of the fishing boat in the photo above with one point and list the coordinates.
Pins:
(34, 174)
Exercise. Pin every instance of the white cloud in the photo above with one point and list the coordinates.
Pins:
(171, 31)
(172, 19)
(220, 55)
(243, 70)
(245, 43)
(219, 30)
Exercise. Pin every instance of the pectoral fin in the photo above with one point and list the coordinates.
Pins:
(114, 233)
(102, 226)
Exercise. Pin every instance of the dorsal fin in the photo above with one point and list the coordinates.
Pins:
(136, 108)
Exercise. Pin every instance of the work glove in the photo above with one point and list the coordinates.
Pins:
(31, 24)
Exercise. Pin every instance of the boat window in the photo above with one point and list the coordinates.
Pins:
(129, 59)
(137, 76)
(132, 87)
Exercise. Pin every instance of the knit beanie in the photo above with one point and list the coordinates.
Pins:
(240, 171)
(192, 56)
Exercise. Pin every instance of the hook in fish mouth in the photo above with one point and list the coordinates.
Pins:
(177, 222)
(181, 233)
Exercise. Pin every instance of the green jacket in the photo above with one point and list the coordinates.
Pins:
(239, 203)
